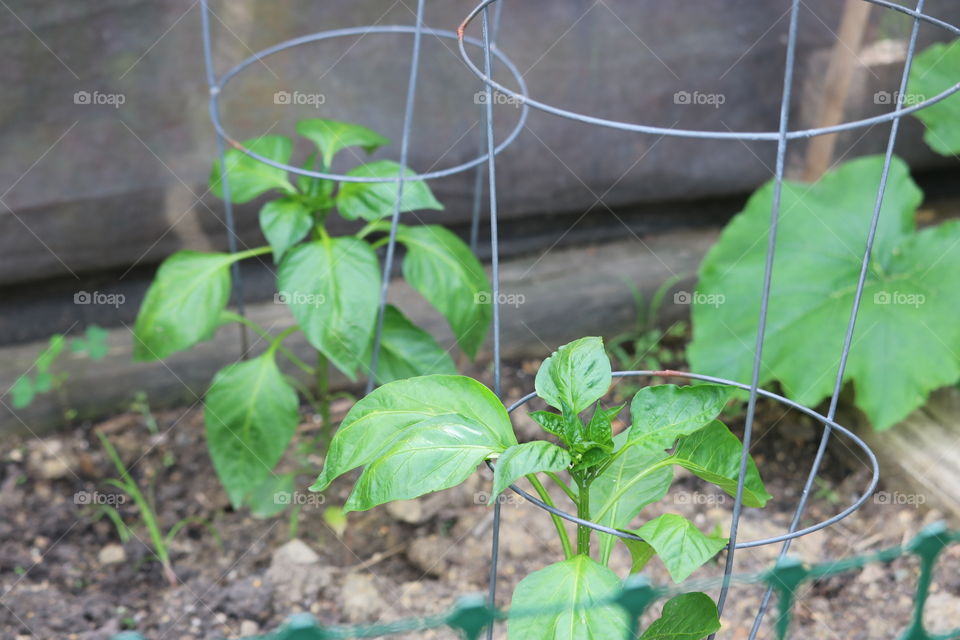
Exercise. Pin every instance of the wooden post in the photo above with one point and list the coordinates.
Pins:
(836, 86)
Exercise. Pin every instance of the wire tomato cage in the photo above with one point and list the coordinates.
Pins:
(781, 137)
(488, 14)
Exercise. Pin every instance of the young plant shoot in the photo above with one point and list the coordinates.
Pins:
(450, 424)
(331, 285)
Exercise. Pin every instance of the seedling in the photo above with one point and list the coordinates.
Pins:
(42, 376)
(330, 284)
(449, 424)
(159, 541)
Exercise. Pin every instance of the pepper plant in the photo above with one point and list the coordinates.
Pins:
(331, 286)
(450, 424)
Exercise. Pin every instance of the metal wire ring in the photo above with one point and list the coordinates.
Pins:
(771, 136)
(767, 394)
(217, 89)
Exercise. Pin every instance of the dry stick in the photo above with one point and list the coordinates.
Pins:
(836, 86)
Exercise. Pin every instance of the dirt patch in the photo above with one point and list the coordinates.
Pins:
(65, 573)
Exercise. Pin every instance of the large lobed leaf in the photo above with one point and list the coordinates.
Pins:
(575, 588)
(183, 304)
(398, 407)
(906, 337)
(933, 72)
(251, 414)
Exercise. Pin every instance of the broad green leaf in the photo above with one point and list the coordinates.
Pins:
(432, 455)
(284, 222)
(22, 392)
(661, 414)
(398, 406)
(251, 413)
(319, 192)
(94, 343)
(579, 582)
(250, 178)
(331, 136)
(713, 454)
(906, 337)
(689, 616)
(529, 457)
(575, 376)
(407, 351)
(933, 72)
(640, 554)
(375, 200)
(183, 304)
(679, 544)
(332, 286)
(625, 487)
(443, 269)
(271, 497)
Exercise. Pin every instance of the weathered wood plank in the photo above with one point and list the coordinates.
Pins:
(549, 299)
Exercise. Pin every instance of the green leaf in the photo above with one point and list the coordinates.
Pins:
(396, 407)
(332, 287)
(640, 554)
(49, 355)
(713, 454)
(271, 497)
(331, 136)
(661, 414)
(183, 304)
(631, 482)
(680, 545)
(600, 427)
(578, 582)
(407, 351)
(433, 455)
(22, 392)
(933, 72)
(445, 272)
(94, 343)
(250, 178)
(284, 222)
(689, 616)
(317, 191)
(530, 457)
(251, 415)
(374, 200)
(906, 337)
(43, 382)
(575, 376)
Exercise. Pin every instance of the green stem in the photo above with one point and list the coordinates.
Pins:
(583, 512)
(230, 316)
(557, 521)
(250, 253)
(563, 485)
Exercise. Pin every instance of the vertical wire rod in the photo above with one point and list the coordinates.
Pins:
(238, 296)
(495, 288)
(478, 176)
(765, 298)
(848, 338)
(395, 219)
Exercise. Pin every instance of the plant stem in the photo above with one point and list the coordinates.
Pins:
(557, 522)
(250, 253)
(323, 396)
(230, 316)
(583, 512)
